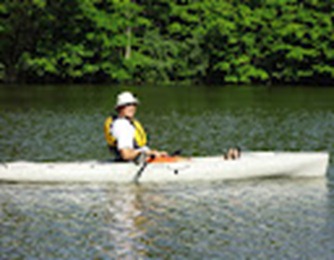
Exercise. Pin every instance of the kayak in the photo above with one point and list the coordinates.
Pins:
(249, 165)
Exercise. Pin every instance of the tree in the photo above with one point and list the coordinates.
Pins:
(166, 41)
(19, 31)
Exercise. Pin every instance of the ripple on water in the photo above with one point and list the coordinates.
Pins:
(256, 219)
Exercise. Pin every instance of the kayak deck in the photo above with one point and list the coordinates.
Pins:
(250, 165)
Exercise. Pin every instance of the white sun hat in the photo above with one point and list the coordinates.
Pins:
(125, 98)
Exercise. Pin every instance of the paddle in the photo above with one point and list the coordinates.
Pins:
(142, 168)
(176, 153)
(146, 162)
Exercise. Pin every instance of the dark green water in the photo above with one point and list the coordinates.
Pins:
(65, 123)
(254, 219)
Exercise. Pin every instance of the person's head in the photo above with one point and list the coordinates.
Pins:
(126, 105)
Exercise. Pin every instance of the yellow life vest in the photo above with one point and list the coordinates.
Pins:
(140, 138)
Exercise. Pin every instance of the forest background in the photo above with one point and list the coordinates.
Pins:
(167, 41)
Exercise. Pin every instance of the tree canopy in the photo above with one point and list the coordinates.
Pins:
(166, 41)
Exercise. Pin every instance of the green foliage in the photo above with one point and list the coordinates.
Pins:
(208, 41)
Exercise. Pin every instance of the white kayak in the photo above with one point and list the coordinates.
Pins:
(250, 165)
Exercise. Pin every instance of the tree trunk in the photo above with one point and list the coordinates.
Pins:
(128, 44)
(11, 74)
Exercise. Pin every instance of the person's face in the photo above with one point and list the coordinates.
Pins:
(128, 110)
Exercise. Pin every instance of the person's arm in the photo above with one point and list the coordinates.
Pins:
(129, 154)
(149, 152)
(156, 153)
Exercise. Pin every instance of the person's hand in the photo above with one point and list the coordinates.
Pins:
(163, 154)
(156, 153)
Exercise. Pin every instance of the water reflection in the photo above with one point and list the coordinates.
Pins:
(329, 228)
(137, 215)
(274, 218)
(270, 218)
(125, 215)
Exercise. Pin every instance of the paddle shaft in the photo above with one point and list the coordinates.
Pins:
(143, 167)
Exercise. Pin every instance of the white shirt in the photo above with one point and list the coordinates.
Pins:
(124, 132)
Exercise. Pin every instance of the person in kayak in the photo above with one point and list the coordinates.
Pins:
(124, 134)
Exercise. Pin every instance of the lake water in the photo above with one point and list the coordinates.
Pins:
(251, 219)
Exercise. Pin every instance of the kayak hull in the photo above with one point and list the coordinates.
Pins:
(250, 165)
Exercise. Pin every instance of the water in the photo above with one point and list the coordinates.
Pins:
(253, 219)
